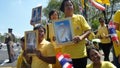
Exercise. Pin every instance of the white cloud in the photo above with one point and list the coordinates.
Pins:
(38, 5)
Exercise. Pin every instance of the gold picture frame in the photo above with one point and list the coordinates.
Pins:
(31, 41)
(36, 15)
(63, 31)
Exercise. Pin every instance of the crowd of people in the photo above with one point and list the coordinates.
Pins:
(47, 49)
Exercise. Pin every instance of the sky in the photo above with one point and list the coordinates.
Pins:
(16, 14)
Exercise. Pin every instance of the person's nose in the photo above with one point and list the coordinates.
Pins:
(95, 56)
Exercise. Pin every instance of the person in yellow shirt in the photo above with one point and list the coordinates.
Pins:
(116, 51)
(89, 40)
(53, 15)
(95, 56)
(23, 60)
(81, 30)
(91, 36)
(103, 35)
(44, 53)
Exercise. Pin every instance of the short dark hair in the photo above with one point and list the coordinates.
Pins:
(52, 12)
(22, 39)
(89, 49)
(10, 29)
(62, 7)
(39, 26)
(101, 19)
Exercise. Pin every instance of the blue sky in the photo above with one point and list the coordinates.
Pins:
(16, 14)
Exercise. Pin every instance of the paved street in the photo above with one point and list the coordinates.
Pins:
(4, 57)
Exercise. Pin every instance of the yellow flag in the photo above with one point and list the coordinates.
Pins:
(107, 2)
(82, 3)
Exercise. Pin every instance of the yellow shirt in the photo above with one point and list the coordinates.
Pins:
(116, 46)
(103, 31)
(105, 64)
(51, 33)
(79, 25)
(21, 62)
(47, 50)
(57, 48)
(116, 17)
(46, 31)
(91, 36)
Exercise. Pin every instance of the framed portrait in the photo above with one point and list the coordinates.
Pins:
(36, 15)
(63, 31)
(31, 40)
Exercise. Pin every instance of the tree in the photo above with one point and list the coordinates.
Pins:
(91, 13)
(53, 4)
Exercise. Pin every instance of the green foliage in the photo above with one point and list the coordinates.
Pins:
(43, 22)
(92, 13)
(95, 24)
(2, 38)
(76, 6)
(53, 4)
